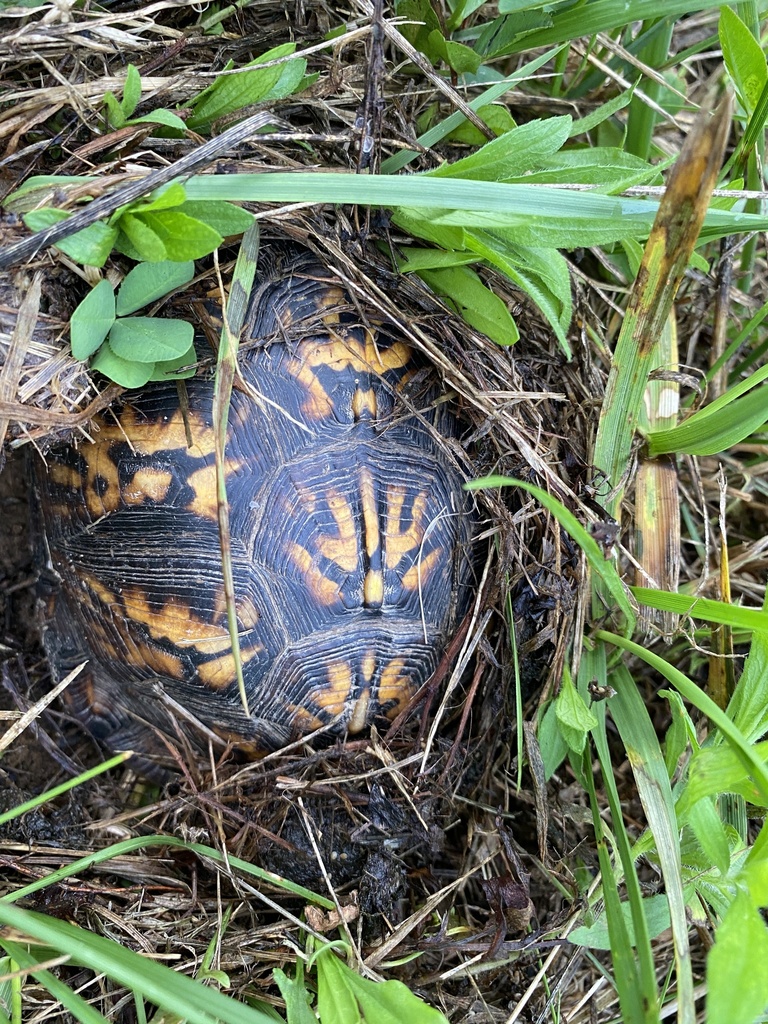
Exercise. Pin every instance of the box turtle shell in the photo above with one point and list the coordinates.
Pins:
(351, 537)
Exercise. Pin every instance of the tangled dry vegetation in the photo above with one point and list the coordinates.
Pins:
(443, 849)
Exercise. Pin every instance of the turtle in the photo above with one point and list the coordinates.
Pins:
(353, 543)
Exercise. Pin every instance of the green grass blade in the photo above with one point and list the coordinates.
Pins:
(77, 1006)
(153, 981)
(647, 761)
(226, 370)
(65, 787)
(704, 703)
(634, 969)
(704, 608)
(140, 842)
(681, 213)
(397, 161)
(602, 568)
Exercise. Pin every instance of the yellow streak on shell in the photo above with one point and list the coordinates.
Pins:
(342, 549)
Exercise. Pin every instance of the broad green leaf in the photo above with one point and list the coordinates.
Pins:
(166, 198)
(225, 218)
(573, 715)
(420, 22)
(541, 273)
(169, 235)
(90, 246)
(718, 769)
(176, 369)
(343, 997)
(595, 936)
(743, 58)
(149, 339)
(512, 154)
(461, 58)
(161, 116)
(737, 981)
(122, 371)
(150, 281)
(552, 745)
(145, 243)
(464, 291)
(296, 996)
(92, 320)
(232, 92)
(495, 115)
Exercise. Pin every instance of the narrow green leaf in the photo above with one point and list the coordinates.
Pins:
(704, 608)
(113, 111)
(743, 58)
(150, 281)
(679, 732)
(707, 434)
(702, 701)
(92, 320)
(547, 217)
(122, 371)
(737, 981)
(603, 113)
(81, 1010)
(476, 303)
(603, 569)
(149, 339)
(131, 91)
(416, 260)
